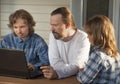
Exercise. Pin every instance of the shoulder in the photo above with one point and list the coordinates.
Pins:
(99, 54)
(36, 37)
(81, 33)
(8, 36)
(96, 52)
(81, 37)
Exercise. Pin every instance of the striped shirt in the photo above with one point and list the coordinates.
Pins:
(100, 69)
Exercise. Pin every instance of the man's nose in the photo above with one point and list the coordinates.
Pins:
(19, 30)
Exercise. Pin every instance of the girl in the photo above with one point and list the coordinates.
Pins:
(103, 66)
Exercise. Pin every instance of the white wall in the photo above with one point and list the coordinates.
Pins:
(39, 9)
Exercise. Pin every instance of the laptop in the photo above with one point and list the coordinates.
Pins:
(13, 63)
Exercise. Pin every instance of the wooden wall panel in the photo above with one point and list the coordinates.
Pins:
(39, 9)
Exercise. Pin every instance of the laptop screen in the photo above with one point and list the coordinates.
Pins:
(13, 63)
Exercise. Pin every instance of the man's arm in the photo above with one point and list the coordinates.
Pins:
(62, 69)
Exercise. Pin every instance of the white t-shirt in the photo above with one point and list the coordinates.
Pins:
(67, 57)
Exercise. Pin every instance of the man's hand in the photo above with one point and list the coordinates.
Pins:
(49, 72)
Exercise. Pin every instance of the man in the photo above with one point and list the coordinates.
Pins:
(23, 38)
(68, 46)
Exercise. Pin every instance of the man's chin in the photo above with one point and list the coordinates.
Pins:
(57, 36)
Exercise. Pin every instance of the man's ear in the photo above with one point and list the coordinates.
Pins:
(67, 24)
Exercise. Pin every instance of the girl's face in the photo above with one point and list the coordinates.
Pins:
(90, 36)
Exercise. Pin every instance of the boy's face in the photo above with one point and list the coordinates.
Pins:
(20, 28)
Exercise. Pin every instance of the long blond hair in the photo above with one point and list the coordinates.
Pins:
(102, 30)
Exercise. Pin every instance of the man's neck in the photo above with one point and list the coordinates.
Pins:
(69, 35)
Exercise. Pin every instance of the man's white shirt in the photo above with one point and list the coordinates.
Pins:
(68, 57)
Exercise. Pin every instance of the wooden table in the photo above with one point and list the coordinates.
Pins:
(12, 80)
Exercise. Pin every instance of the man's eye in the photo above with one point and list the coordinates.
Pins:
(15, 27)
(56, 25)
(22, 26)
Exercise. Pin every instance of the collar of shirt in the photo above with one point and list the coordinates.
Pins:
(19, 40)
